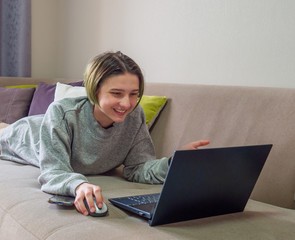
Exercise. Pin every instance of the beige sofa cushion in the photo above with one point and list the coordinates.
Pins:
(25, 214)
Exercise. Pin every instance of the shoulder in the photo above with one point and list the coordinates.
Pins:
(67, 105)
(138, 114)
(134, 121)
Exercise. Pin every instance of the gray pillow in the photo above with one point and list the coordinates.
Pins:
(14, 103)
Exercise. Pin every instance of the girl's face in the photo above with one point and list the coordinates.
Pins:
(117, 97)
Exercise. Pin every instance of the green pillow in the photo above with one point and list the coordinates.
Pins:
(152, 106)
(22, 86)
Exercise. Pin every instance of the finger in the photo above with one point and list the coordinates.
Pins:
(90, 202)
(77, 204)
(80, 206)
(98, 196)
(200, 143)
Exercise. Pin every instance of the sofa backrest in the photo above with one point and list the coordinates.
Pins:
(232, 116)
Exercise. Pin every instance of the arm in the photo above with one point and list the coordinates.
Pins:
(57, 175)
(141, 164)
(153, 171)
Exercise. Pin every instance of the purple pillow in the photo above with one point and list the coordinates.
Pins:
(43, 96)
(15, 103)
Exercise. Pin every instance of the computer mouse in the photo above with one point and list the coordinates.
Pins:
(99, 212)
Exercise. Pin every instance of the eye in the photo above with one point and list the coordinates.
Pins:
(134, 94)
(116, 93)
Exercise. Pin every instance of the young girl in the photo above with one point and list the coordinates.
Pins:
(90, 135)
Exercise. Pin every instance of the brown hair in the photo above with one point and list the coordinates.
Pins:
(106, 65)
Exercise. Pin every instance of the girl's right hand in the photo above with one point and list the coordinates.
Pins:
(88, 191)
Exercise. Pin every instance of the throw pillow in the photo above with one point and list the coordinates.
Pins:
(43, 96)
(22, 86)
(67, 91)
(15, 103)
(152, 105)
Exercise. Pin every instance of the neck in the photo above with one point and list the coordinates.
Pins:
(100, 117)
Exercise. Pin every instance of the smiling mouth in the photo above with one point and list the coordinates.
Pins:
(120, 111)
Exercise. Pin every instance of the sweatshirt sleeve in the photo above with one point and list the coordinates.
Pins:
(141, 164)
(57, 175)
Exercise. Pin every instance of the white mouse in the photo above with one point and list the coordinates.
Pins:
(99, 212)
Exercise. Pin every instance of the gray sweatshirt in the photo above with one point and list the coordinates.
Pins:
(68, 143)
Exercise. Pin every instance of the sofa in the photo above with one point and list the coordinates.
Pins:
(226, 115)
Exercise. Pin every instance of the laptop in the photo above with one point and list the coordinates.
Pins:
(201, 183)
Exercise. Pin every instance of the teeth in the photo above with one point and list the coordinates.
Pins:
(120, 111)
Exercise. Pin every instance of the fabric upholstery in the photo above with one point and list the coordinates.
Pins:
(15, 103)
(152, 105)
(25, 215)
(233, 116)
(22, 86)
(68, 91)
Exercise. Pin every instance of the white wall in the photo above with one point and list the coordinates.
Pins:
(227, 42)
(44, 38)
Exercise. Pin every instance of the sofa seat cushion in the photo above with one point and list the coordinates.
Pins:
(25, 214)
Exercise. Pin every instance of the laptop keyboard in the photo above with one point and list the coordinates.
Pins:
(143, 199)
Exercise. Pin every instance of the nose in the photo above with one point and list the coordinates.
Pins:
(125, 102)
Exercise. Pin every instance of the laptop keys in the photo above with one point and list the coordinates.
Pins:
(143, 199)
